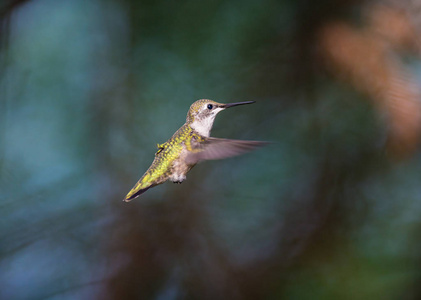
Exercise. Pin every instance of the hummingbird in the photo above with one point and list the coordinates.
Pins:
(189, 145)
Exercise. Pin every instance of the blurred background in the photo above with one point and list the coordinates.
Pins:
(330, 210)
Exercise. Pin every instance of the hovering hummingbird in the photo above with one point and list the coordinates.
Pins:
(189, 145)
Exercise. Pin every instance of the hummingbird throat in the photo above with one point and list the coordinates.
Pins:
(204, 125)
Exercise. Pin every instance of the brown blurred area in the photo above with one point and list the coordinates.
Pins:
(370, 58)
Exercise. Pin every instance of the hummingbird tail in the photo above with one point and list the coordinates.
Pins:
(134, 193)
(147, 181)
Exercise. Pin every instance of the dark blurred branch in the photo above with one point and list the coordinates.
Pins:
(72, 288)
(6, 9)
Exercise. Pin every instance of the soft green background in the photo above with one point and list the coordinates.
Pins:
(87, 89)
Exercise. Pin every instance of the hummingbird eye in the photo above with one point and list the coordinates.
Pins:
(210, 106)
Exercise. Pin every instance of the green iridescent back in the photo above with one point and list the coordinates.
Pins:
(167, 153)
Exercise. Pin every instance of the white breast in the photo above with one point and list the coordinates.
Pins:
(203, 126)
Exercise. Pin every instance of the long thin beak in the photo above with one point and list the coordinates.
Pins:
(235, 104)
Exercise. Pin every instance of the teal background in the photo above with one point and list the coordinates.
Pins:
(88, 88)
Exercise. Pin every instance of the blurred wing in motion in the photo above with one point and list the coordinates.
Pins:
(215, 148)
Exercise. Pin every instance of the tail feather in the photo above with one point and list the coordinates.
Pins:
(134, 193)
(147, 181)
(139, 188)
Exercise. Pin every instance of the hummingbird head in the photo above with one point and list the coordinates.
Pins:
(202, 114)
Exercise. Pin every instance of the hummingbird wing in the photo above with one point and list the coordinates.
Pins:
(216, 148)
